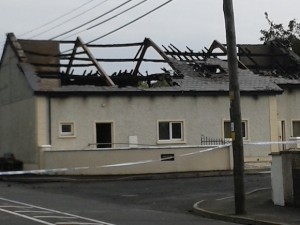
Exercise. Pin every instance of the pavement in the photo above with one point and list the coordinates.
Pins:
(260, 210)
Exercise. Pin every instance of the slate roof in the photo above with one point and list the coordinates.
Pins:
(274, 61)
(191, 81)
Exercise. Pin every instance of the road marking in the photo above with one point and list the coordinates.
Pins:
(57, 217)
(15, 206)
(76, 223)
(28, 211)
(26, 217)
(247, 193)
(42, 218)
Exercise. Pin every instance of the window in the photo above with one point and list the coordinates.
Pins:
(66, 129)
(170, 131)
(296, 128)
(227, 129)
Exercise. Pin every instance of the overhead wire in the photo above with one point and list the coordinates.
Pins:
(108, 19)
(90, 21)
(57, 18)
(131, 22)
(68, 20)
(125, 25)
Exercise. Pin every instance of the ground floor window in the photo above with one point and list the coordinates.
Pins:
(66, 129)
(170, 131)
(296, 128)
(227, 129)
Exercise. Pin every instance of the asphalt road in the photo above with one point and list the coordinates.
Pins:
(119, 202)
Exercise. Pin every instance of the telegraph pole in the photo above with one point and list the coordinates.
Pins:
(235, 109)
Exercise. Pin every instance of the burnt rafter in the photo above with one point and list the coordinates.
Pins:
(122, 79)
(142, 51)
(270, 59)
(79, 43)
(71, 67)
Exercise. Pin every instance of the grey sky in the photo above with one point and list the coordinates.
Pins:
(193, 23)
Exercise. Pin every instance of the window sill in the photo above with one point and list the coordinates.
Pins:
(166, 142)
(66, 137)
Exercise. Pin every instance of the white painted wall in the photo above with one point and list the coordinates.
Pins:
(289, 108)
(136, 161)
(138, 116)
(277, 180)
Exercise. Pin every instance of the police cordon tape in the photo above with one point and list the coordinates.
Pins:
(52, 171)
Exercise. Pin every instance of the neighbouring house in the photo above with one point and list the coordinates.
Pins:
(60, 108)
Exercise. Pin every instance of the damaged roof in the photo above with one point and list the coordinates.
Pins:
(48, 70)
(272, 60)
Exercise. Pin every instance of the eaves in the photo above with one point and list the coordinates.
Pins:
(191, 93)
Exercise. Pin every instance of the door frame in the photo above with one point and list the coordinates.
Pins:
(112, 130)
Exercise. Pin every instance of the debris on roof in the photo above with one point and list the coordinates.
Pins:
(272, 59)
(78, 66)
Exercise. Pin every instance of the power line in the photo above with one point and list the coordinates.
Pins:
(131, 22)
(74, 17)
(52, 21)
(110, 18)
(57, 36)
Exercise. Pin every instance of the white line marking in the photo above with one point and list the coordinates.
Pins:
(15, 206)
(220, 199)
(50, 210)
(27, 217)
(247, 193)
(57, 217)
(77, 223)
(28, 211)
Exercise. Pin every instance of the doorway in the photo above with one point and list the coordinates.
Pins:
(282, 135)
(104, 135)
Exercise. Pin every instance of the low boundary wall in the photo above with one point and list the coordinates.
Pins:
(126, 161)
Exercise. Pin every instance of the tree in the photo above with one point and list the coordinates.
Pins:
(290, 36)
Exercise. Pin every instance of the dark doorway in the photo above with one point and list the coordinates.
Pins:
(296, 186)
(104, 135)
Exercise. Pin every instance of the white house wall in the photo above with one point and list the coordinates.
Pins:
(289, 109)
(138, 116)
(17, 112)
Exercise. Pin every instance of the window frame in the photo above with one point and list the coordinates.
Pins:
(292, 127)
(171, 139)
(70, 134)
(246, 132)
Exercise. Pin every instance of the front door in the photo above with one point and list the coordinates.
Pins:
(104, 135)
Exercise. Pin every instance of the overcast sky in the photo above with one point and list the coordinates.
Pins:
(192, 23)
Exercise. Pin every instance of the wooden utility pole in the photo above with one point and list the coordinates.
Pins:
(235, 109)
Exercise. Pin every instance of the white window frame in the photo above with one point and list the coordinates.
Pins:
(171, 139)
(70, 134)
(246, 122)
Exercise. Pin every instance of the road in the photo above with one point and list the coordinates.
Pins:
(118, 202)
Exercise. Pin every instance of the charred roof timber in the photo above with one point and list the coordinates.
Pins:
(81, 67)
